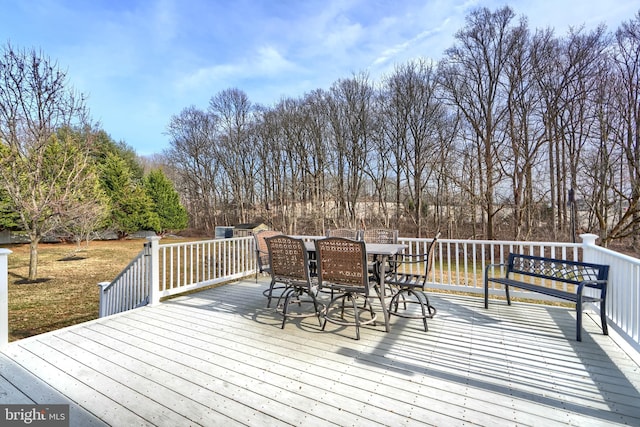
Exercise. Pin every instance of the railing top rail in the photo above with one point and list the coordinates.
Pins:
(617, 255)
(199, 242)
(126, 269)
(496, 242)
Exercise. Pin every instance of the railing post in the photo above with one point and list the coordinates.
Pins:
(588, 242)
(154, 270)
(4, 297)
(102, 311)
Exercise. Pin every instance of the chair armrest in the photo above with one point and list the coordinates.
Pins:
(407, 259)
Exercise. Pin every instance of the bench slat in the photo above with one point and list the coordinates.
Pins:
(566, 295)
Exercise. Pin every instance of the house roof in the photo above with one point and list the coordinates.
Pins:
(249, 226)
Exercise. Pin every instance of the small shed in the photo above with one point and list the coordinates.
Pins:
(223, 232)
(243, 230)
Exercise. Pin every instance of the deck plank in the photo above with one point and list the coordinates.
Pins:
(220, 357)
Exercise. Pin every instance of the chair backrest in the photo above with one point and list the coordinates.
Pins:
(431, 249)
(342, 263)
(288, 259)
(379, 235)
(347, 233)
(262, 251)
(417, 265)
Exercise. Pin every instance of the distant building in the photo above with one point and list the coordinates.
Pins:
(243, 230)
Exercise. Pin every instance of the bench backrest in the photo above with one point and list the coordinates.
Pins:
(566, 271)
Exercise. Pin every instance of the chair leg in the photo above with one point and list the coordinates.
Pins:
(270, 295)
(285, 306)
(424, 309)
(371, 311)
(316, 306)
(356, 317)
(393, 304)
(415, 297)
(333, 307)
(344, 298)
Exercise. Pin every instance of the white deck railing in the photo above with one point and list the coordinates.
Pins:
(184, 267)
(4, 297)
(131, 288)
(459, 264)
(623, 299)
(165, 270)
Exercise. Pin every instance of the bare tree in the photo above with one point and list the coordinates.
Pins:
(472, 74)
(415, 115)
(316, 123)
(234, 149)
(493, 138)
(525, 133)
(350, 115)
(627, 68)
(266, 131)
(192, 154)
(40, 170)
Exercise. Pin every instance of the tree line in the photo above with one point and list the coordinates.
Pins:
(514, 133)
(61, 176)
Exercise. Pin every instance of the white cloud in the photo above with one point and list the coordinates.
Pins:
(342, 35)
(396, 50)
(270, 62)
(267, 62)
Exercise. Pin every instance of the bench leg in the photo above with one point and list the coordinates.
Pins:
(486, 294)
(603, 317)
(486, 288)
(579, 319)
(506, 291)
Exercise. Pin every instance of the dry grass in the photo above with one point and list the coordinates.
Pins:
(67, 291)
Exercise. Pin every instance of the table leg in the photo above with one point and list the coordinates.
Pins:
(382, 292)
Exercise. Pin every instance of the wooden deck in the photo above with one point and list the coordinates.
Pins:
(219, 357)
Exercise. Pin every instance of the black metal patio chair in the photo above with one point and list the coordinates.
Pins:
(407, 276)
(290, 267)
(264, 266)
(342, 269)
(347, 233)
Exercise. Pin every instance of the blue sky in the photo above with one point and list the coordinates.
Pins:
(142, 61)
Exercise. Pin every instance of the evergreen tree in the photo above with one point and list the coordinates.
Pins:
(131, 207)
(166, 201)
(9, 218)
(104, 146)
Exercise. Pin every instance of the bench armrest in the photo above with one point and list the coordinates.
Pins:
(491, 267)
(598, 284)
(594, 284)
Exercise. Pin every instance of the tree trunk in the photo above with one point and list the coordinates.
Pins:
(33, 258)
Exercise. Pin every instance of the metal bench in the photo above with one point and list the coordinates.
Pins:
(540, 274)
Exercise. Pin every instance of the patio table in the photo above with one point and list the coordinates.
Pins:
(380, 252)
